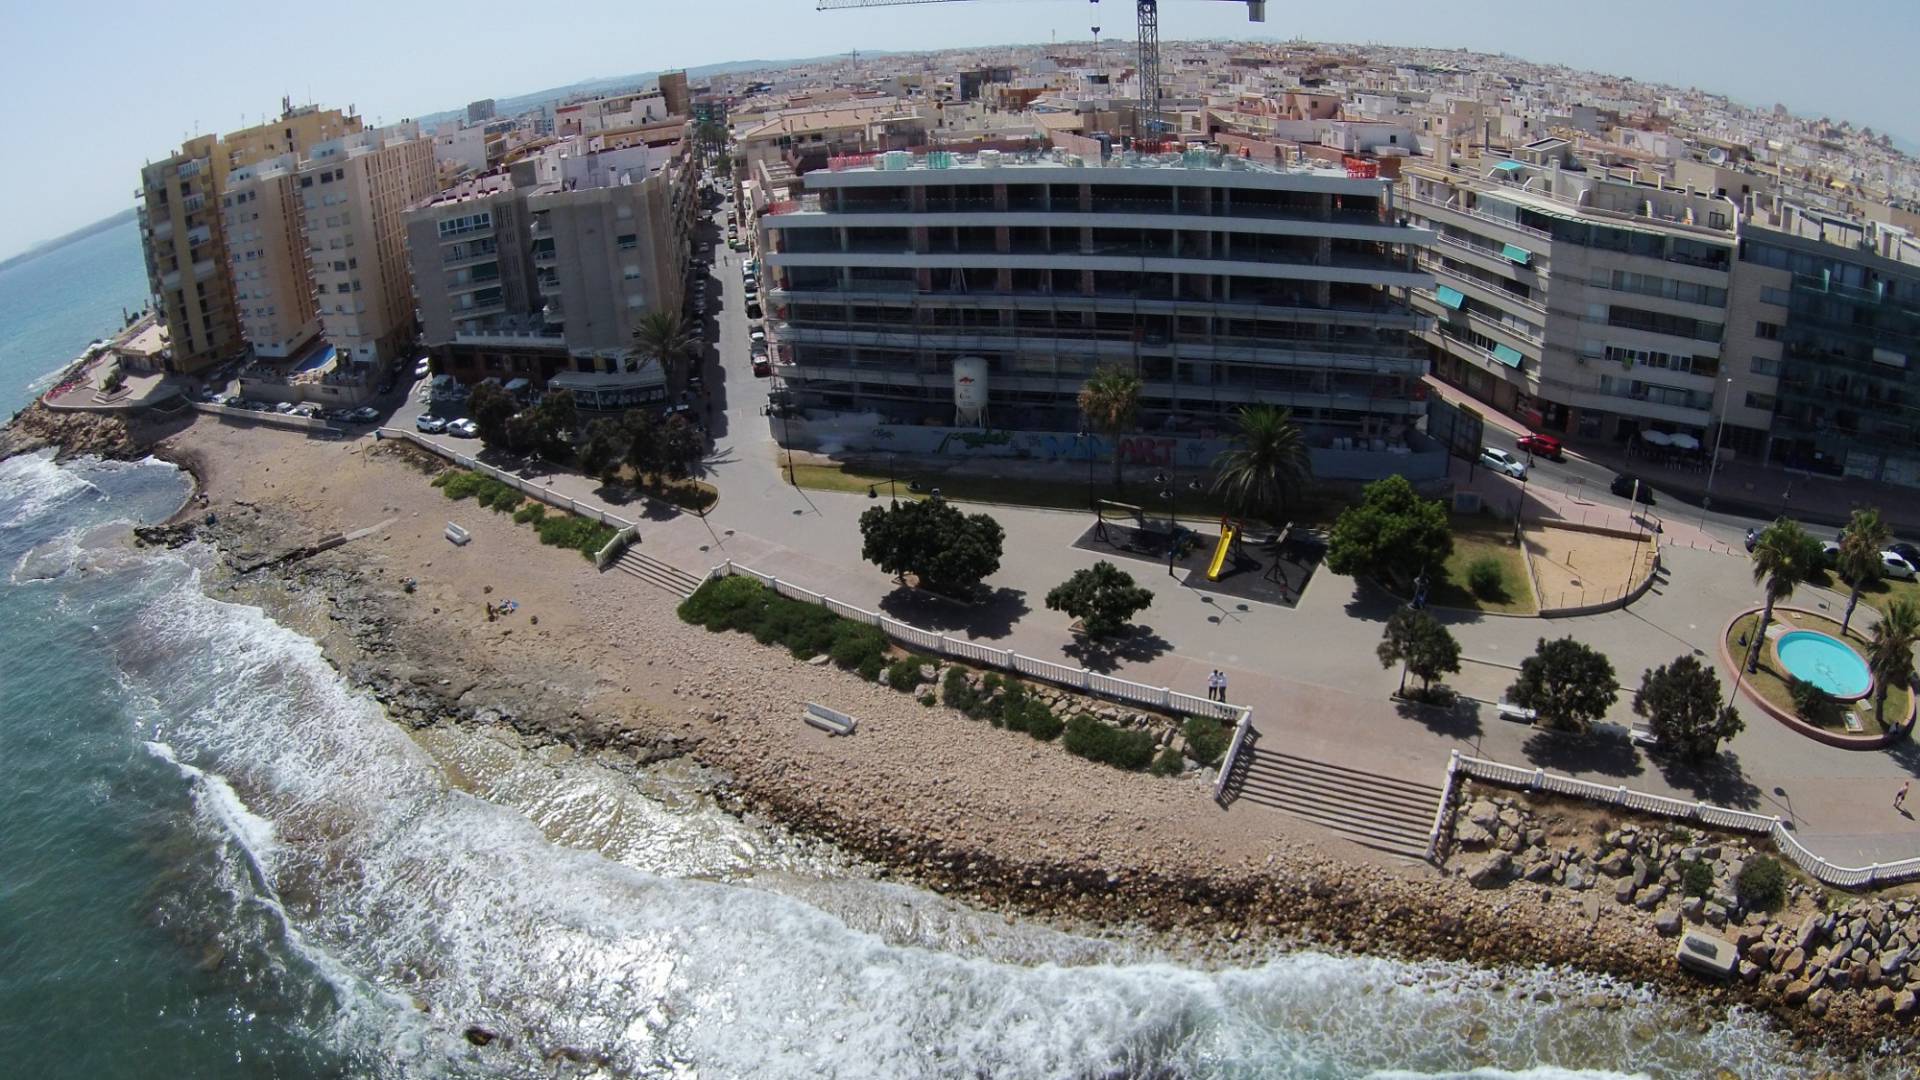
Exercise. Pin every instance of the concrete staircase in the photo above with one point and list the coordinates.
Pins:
(1379, 812)
(654, 572)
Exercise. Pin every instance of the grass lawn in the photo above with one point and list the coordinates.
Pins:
(1771, 683)
(1476, 536)
(1001, 490)
(1881, 592)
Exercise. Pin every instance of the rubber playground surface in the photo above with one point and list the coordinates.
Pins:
(1256, 568)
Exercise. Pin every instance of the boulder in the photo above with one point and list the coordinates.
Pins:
(1539, 870)
(1667, 923)
(1810, 930)
(1650, 897)
(1616, 864)
(1483, 813)
(1794, 963)
(1714, 914)
(1491, 871)
(1578, 877)
(1904, 1002)
(1796, 992)
(1749, 971)
(1691, 907)
(1472, 836)
(1883, 1000)
(1624, 889)
(1820, 1001)
(1510, 818)
(1893, 960)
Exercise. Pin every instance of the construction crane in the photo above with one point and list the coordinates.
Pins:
(1150, 121)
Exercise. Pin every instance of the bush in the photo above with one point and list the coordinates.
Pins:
(957, 693)
(927, 699)
(859, 647)
(1042, 724)
(1487, 578)
(530, 513)
(1207, 740)
(571, 531)
(1095, 741)
(1814, 705)
(728, 603)
(1168, 763)
(1762, 884)
(870, 666)
(1696, 878)
(904, 674)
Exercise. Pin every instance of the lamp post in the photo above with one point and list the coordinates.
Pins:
(1086, 440)
(1173, 499)
(1713, 462)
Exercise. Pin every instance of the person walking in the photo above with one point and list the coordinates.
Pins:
(1900, 797)
(1222, 676)
(1213, 685)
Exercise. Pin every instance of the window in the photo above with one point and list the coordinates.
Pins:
(1760, 365)
(1763, 402)
(1766, 331)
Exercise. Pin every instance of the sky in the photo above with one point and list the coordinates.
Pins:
(99, 87)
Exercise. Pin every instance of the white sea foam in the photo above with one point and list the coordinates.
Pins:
(31, 485)
(413, 889)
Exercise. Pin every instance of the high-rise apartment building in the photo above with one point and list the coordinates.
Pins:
(183, 233)
(985, 289)
(479, 112)
(1577, 301)
(354, 192)
(542, 271)
(673, 88)
(267, 258)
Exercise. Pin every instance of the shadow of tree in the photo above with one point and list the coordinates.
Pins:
(1719, 781)
(992, 616)
(1139, 644)
(1461, 721)
(1593, 752)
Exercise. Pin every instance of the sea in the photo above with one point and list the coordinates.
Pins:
(218, 859)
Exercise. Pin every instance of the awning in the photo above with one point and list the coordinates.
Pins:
(1655, 438)
(1511, 166)
(1450, 297)
(1683, 441)
(1507, 355)
(1517, 254)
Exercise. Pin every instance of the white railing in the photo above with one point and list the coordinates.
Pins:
(537, 491)
(1072, 678)
(1845, 877)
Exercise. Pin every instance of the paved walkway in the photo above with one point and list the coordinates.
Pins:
(1309, 671)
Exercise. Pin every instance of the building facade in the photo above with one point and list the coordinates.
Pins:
(985, 290)
(1579, 302)
(267, 258)
(183, 232)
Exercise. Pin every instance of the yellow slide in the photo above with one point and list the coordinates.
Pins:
(1219, 563)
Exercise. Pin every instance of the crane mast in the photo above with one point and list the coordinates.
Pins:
(1150, 119)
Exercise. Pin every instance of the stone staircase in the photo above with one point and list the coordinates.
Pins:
(654, 572)
(1380, 812)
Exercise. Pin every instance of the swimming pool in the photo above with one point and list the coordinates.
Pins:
(1826, 662)
(316, 359)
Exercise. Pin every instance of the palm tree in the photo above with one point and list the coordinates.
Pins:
(1890, 650)
(1860, 564)
(1784, 556)
(1110, 400)
(665, 338)
(1267, 465)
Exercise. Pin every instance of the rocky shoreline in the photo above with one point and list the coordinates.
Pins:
(425, 674)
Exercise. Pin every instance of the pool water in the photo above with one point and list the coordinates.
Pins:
(315, 359)
(1826, 662)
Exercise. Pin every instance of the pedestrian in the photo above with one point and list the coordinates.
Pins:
(1223, 686)
(1214, 682)
(1900, 797)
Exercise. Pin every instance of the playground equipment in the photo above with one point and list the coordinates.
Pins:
(1229, 531)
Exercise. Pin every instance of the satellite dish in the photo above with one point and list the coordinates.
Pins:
(1717, 155)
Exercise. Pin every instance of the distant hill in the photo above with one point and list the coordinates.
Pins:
(81, 233)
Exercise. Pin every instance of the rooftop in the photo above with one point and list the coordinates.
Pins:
(1195, 159)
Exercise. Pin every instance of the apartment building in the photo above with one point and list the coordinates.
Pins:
(983, 290)
(183, 233)
(542, 270)
(267, 258)
(354, 192)
(1579, 301)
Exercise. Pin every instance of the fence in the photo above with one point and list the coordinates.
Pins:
(537, 491)
(267, 416)
(1073, 678)
(1844, 877)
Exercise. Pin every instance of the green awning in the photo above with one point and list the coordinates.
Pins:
(1450, 297)
(1517, 254)
(1511, 166)
(1508, 356)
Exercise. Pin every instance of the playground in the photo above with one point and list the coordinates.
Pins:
(1259, 566)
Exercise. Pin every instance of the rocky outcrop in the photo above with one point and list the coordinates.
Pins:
(73, 434)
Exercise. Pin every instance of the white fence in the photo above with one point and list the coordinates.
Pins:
(1845, 877)
(538, 491)
(1073, 678)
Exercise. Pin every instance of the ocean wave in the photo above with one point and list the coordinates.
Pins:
(32, 485)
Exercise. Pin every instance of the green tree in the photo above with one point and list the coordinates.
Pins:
(642, 432)
(950, 552)
(605, 447)
(490, 407)
(1890, 651)
(1567, 684)
(1681, 703)
(1392, 535)
(1860, 566)
(1110, 400)
(1784, 557)
(1266, 467)
(665, 338)
(547, 428)
(1417, 639)
(679, 446)
(1103, 597)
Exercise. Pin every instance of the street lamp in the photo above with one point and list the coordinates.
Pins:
(1086, 440)
(1713, 463)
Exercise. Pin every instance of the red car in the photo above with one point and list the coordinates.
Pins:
(1545, 446)
(761, 367)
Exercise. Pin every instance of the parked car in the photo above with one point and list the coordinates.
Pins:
(1623, 486)
(1501, 461)
(431, 425)
(1753, 538)
(1894, 566)
(365, 414)
(1829, 553)
(1906, 551)
(1545, 446)
(762, 367)
(463, 429)
(758, 333)
(422, 369)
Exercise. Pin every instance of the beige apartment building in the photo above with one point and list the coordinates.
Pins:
(354, 192)
(183, 233)
(267, 258)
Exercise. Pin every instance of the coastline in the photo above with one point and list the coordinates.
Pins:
(608, 666)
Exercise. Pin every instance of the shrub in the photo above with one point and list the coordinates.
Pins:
(1042, 724)
(1487, 578)
(1814, 705)
(1206, 740)
(859, 647)
(927, 699)
(904, 674)
(1095, 741)
(957, 693)
(571, 531)
(1696, 878)
(530, 513)
(1168, 763)
(1762, 884)
(728, 603)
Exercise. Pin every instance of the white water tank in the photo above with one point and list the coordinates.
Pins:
(969, 391)
(989, 159)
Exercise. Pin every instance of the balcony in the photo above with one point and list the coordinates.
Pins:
(457, 288)
(1480, 215)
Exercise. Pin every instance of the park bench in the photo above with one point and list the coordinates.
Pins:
(1704, 954)
(831, 721)
(457, 534)
(1515, 714)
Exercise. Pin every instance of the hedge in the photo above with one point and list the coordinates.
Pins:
(807, 630)
(1095, 741)
(584, 535)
